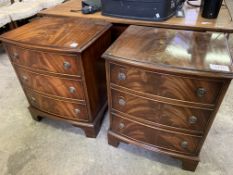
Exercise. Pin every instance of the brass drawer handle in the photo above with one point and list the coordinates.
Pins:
(192, 119)
(15, 55)
(66, 65)
(201, 92)
(184, 144)
(121, 125)
(77, 111)
(25, 78)
(72, 90)
(121, 102)
(121, 76)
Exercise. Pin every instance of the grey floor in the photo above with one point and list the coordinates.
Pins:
(55, 148)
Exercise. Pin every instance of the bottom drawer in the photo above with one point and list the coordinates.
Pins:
(64, 109)
(172, 141)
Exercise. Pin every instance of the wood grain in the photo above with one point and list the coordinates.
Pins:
(57, 34)
(192, 20)
(51, 85)
(156, 137)
(58, 62)
(95, 75)
(45, 61)
(160, 114)
(153, 90)
(64, 109)
(178, 51)
(166, 85)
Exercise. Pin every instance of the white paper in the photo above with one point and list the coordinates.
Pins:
(219, 67)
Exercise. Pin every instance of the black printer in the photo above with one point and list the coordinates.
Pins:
(153, 10)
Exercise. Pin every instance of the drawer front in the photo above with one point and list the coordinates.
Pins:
(63, 109)
(174, 87)
(160, 113)
(51, 62)
(51, 85)
(176, 142)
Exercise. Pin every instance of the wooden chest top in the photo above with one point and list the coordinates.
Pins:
(59, 34)
(174, 50)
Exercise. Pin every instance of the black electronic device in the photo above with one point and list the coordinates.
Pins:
(211, 8)
(153, 10)
(91, 6)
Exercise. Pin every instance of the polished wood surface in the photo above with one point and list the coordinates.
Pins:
(160, 48)
(165, 85)
(164, 96)
(191, 21)
(47, 33)
(39, 61)
(94, 72)
(160, 114)
(62, 81)
(157, 137)
(51, 85)
(64, 109)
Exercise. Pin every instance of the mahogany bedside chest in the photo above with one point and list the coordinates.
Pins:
(58, 63)
(165, 88)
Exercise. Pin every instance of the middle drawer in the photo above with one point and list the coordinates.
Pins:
(168, 115)
(51, 85)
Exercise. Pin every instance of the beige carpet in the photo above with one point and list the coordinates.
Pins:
(55, 148)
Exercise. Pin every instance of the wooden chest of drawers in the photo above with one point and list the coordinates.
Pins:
(57, 61)
(165, 88)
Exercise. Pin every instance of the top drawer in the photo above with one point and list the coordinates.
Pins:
(165, 85)
(49, 62)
